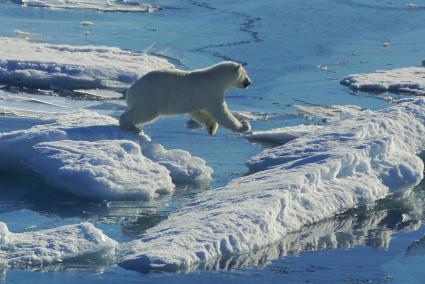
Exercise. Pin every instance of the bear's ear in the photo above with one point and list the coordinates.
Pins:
(238, 66)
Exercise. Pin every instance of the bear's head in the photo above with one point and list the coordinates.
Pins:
(236, 76)
(242, 81)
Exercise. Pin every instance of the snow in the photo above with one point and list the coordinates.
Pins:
(47, 66)
(87, 154)
(408, 80)
(97, 5)
(53, 246)
(338, 167)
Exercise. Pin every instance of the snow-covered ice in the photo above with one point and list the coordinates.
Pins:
(53, 246)
(86, 153)
(338, 167)
(97, 5)
(408, 80)
(48, 66)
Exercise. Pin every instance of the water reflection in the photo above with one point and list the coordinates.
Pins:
(134, 217)
(371, 226)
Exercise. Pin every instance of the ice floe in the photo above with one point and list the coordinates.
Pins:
(325, 114)
(87, 154)
(53, 246)
(97, 5)
(329, 113)
(408, 80)
(282, 135)
(338, 167)
(48, 66)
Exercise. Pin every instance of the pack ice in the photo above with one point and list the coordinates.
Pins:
(87, 154)
(408, 80)
(314, 177)
(53, 246)
(48, 66)
(97, 5)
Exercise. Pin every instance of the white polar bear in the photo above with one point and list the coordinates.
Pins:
(199, 93)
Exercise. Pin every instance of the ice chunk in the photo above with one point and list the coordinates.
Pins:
(86, 23)
(324, 113)
(48, 66)
(282, 135)
(97, 5)
(251, 116)
(53, 246)
(340, 166)
(409, 80)
(182, 166)
(108, 169)
(87, 154)
(329, 113)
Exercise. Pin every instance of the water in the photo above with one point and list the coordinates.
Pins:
(282, 43)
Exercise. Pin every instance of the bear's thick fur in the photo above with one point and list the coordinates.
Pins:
(199, 93)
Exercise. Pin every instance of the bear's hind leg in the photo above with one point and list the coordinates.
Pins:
(130, 118)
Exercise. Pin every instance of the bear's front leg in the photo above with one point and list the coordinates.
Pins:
(225, 118)
(205, 118)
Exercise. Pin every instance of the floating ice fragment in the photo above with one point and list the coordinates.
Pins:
(97, 5)
(408, 80)
(53, 246)
(86, 23)
(282, 135)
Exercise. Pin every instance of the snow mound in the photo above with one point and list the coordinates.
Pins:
(53, 246)
(97, 5)
(87, 154)
(48, 66)
(282, 135)
(408, 80)
(338, 167)
(183, 167)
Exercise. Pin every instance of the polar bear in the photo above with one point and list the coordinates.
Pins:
(200, 93)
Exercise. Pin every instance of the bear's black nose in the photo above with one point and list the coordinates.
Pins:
(246, 83)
